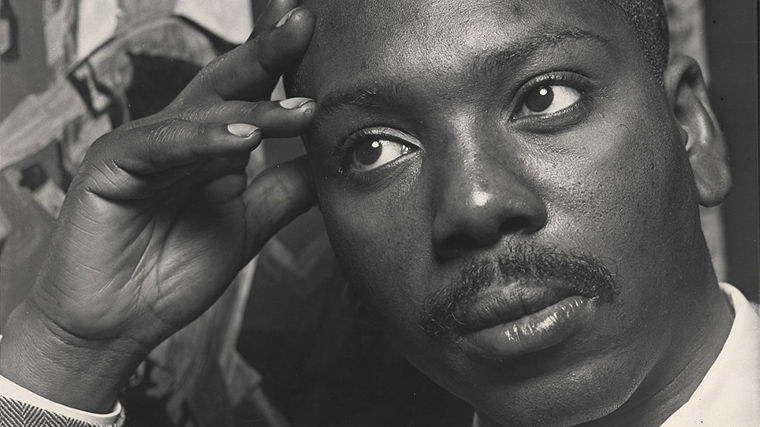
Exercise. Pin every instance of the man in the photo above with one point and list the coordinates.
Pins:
(511, 185)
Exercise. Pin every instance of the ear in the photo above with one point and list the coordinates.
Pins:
(702, 137)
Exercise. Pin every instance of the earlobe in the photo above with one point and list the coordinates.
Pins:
(702, 137)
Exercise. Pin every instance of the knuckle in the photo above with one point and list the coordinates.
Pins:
(214, 64)
(237, 111)
(258, 108)
(217, 112)
(98, 149)
(174, 109)
(194, 112)
(213, 67)
(168, 130)
(100, 177)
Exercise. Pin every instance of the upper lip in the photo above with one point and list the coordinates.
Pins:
(503, 304)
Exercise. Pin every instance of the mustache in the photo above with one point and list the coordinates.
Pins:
(583, 274)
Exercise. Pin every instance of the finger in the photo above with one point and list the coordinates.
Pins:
(275, 198)
(222, 189)
(172, 143)
(142, 162)
(286, 118)
(250, 71)
(216, 168)
(274, 12)
(110, 181)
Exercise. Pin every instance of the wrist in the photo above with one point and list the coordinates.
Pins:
(51, 363)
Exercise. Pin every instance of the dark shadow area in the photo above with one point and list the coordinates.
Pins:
(157, 80)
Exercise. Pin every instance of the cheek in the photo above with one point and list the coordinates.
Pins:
(626, 201)
(619, 190)
(381, 239)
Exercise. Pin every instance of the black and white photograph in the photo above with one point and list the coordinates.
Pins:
(379, 213)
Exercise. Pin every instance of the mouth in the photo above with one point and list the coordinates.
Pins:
(521, 318)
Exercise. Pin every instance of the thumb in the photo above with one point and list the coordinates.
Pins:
(275, 198)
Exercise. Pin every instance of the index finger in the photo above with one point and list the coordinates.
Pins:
(250, 71)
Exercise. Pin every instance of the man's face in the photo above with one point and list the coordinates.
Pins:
(504, 183)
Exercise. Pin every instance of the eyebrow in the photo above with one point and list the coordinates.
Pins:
(364, 96)
(523, 49)
(380, 94)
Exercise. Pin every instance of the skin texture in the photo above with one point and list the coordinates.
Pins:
(617, 178)
(161, 217)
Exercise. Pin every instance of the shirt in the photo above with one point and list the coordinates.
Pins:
(730, 392)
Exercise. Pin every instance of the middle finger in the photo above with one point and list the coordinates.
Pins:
(277, 119)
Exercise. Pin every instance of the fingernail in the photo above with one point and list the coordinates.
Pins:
(285, 18)
(242, 130)
(294, 103)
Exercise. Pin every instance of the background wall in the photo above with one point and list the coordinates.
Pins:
(732, 36)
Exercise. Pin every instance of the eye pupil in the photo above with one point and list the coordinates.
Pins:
(540, 99)
(368, 154)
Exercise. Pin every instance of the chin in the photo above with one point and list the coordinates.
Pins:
(558, 386)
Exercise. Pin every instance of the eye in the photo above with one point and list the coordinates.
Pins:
(376, 151)
(547, 99)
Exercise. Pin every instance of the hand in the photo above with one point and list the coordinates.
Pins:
(159, 221)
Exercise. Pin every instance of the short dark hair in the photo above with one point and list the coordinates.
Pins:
(650, 22)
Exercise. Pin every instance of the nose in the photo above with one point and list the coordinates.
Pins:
(480, 200)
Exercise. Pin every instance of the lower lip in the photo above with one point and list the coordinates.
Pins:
(531, 333)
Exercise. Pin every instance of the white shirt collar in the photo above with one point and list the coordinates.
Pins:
(730, 392)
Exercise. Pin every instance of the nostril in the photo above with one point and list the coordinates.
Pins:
(469, 219)
(463, 242)
(516, 224)
(473, 238)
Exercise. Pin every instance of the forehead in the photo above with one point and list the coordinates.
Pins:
(360, 41)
